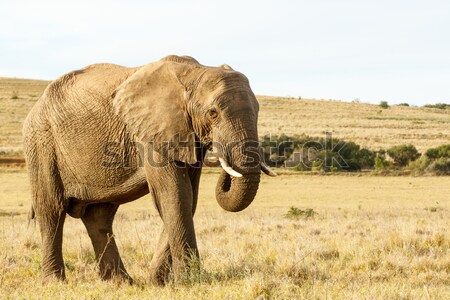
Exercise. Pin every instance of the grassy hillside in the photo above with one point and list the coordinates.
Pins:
(366, 124)
(17, 96)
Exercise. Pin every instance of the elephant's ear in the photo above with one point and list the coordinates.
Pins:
(151, 102)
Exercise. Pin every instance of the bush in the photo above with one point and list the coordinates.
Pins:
(342, 155)
(381, 163)
(384, 104)
(295, 213)
(437, 105)
(317, 165)
(440, 166)
(438, 152)
(365, 158)
(277, 149)
(14, 95)
(419, 166)
(306, 153)
(436, 161)
(403, 104)
(403, 154)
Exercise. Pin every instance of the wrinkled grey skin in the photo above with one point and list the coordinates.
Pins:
(71, 173)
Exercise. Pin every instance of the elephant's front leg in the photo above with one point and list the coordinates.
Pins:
(173, 195)
(161, 261)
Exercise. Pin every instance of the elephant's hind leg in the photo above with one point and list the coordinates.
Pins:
(51, 227)
(98, 219)
(48, 205)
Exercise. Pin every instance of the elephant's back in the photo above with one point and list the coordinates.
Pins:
(77, 109)
(80, 94)
(91, 84)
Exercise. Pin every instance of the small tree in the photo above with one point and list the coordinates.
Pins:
(384, 104)
(403, 154)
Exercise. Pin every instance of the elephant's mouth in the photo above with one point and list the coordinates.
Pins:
(230, 171)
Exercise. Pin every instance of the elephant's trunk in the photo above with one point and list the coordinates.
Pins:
(236, 193)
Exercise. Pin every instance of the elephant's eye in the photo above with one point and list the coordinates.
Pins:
(212, 113)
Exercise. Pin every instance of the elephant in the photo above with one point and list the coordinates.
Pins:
(106, 134)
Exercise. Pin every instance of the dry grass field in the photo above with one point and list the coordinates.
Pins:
(372, 237)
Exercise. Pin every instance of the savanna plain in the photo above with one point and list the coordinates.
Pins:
(306, 235)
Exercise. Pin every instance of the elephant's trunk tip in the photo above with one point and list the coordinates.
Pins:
(234, 194)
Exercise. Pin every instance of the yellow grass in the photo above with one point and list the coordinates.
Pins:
(372, 238)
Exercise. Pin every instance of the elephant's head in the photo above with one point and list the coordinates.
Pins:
(180, 101)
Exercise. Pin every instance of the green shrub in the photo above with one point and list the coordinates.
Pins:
(365, 158)
(314, 153)
(346, 156)
(281, 147)
(440, 166)
(333, 169)
(381, 163)
(438, 152)
(317, 165)
(419, 166)
(436, 161)
(437, 105)
(403, 154)
(384, 104)
(403, 104)
(295, 213)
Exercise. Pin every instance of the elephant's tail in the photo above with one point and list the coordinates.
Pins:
(31, 214)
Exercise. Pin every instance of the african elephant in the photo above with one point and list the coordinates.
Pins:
(160, 118)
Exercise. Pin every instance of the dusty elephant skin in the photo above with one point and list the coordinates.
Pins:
(174, 100)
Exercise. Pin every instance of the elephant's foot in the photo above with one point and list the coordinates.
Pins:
(54, 275)
(159, 277)
(110, 274)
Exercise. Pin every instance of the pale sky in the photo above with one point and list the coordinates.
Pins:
(397, 51)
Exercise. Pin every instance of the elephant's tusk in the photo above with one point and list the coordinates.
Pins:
(265, 168)
(228, 169)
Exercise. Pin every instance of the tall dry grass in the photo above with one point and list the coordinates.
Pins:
(372, 238)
